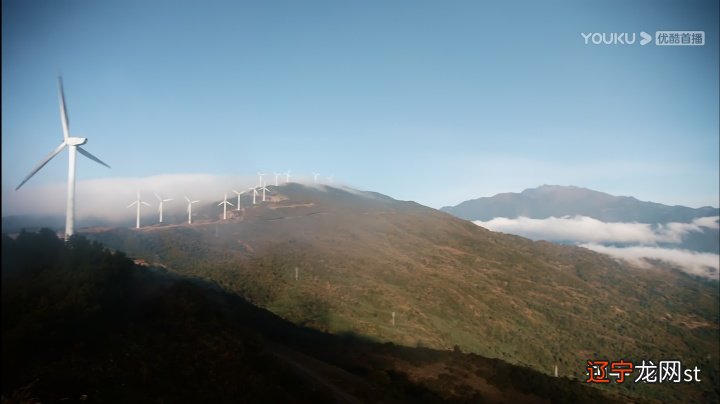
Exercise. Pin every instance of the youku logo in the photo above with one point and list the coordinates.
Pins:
(615, 38)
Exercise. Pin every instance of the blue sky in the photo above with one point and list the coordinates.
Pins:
(436, 102)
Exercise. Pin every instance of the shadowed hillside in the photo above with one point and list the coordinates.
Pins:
(342, 261)
(80, 323)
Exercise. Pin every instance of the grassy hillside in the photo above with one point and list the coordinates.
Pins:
(80, 323)
(361, 257)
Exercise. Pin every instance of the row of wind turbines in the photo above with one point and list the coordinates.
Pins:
(262, 186)
(73, 145)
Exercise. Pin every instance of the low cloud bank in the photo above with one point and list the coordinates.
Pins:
(703, 264)
(589, 230)
(108, 198)
(642, 238)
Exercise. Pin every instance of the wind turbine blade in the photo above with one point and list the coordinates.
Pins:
(220, 203)
(230, 203)
(195, 201)
(63, 110)
(90, 156)
(158, 197)
(167, 200)
(131, 204)
(145, 203)
(42, 164)
(187, 199)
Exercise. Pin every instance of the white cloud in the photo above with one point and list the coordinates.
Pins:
(703, 264)
(108, 198)
(589, 230)
(711, 222)
(592, 233)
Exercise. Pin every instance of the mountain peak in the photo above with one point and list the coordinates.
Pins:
(562, 200)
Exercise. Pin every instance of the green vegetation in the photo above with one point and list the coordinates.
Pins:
(450, 283)
(78, 320)
(82, 323)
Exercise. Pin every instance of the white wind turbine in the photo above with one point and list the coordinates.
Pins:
(255, 193)
(315, 175)
(73, 144)
(264, 188)
(276, 178)
(189, 209)
(287, 177)
(238, 195)
(138, 202)
(225, 203)
(160, 206)
(260, 180)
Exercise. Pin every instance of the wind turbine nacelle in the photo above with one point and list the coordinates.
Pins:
(75, 141)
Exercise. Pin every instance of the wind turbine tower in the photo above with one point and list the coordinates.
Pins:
(287, 177)
(225, 203)
(189, 209)
(276, 178)
(264, 188)
(255, 193)
(260, 180)
(73, 144)
(160, 206)
(238, 195)
(315, 175)
(138, 202)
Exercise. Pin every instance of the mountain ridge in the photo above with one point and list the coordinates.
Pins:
(341, 261)
(552, 200)
(81, 323)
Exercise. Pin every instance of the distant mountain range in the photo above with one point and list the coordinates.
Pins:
(558, 201)
(349, 262)
(16, 223)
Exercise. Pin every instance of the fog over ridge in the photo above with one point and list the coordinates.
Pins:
(640, 240)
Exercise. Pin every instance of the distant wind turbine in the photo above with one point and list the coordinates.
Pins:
(255, 193)
(73, 144)
(138, 202)
(287, 177)
(189, 209)
(238, 195)
(225, 203)
(315, 175)
(276, 178)
(264, 188)
(260, 180)
(160, 206)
